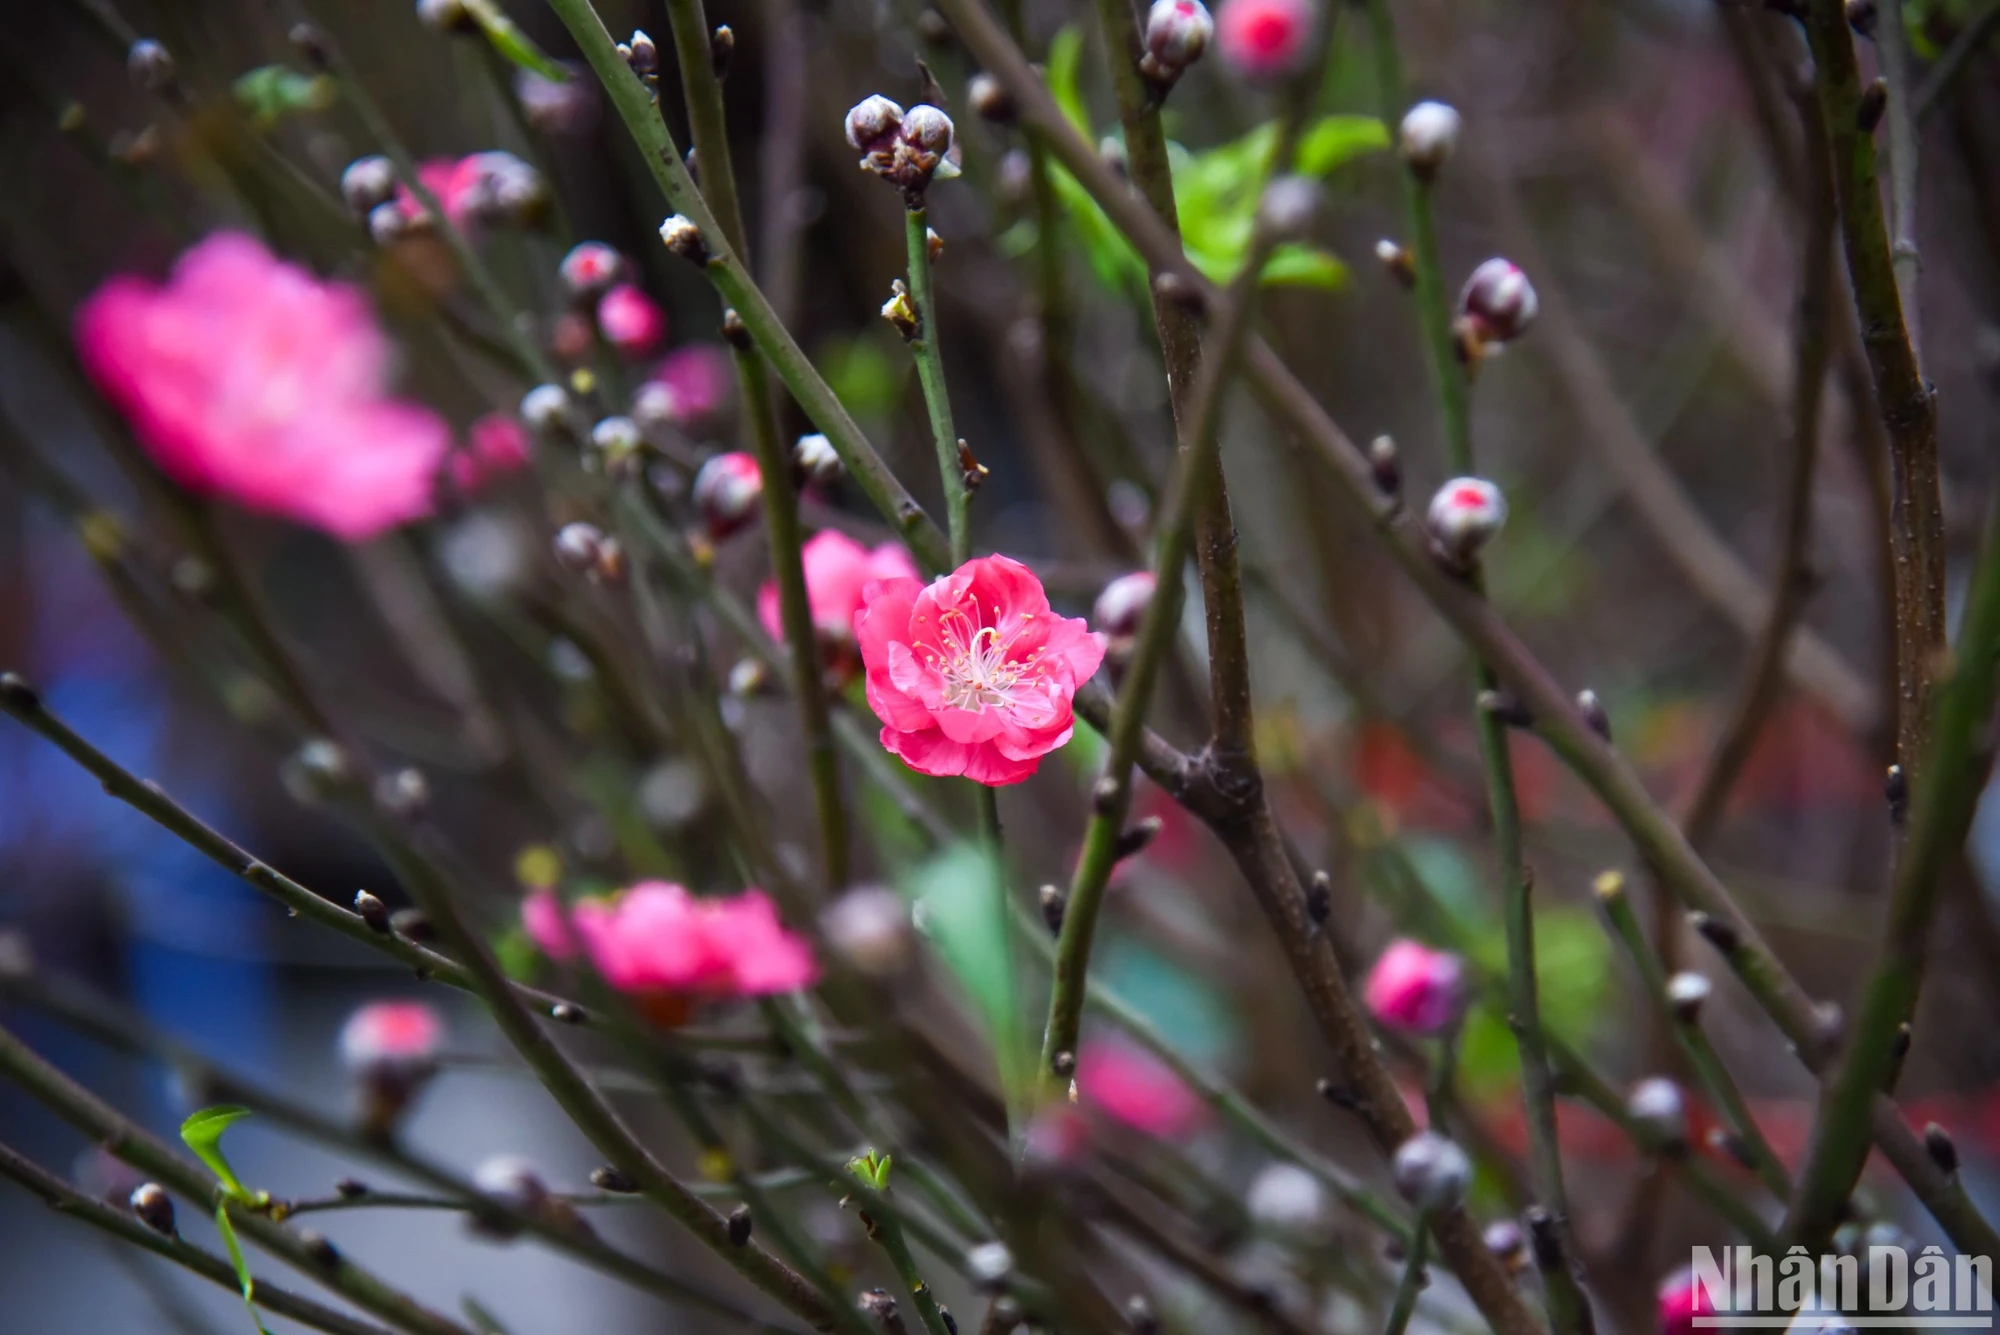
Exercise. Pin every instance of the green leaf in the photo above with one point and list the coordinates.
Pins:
(1294, 265)
(1065, 65)
(227, 1229)
(202, 1133)
(962, 894)
(871, 1169)
(1335, 140)
(508, 39)
(270, 93)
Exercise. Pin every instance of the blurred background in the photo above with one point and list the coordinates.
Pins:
(1622, 153)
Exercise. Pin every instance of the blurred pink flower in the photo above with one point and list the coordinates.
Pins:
(837, 569)
(728, 488)
(1415, 989)
(496, 444)
(697, 379)
(1132, 1086)
(1681, 1301)
(630, 321)
(1264, 39)
(973, 674)
(248, 378)
(390, 1033)
(657, 938)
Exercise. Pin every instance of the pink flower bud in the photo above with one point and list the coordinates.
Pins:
(401, 1035)
(727, 491)
(1177, 32)
(1416, 989)
(1121, 607)
(1427, 136)
(496, 444)
(1464, 516)
(630, 321)
(1498, 303)
(1681, 1300)
(591, 269)
(1265, 39)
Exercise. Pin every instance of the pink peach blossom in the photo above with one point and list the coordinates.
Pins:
(246, 377)
(1264, 39)
(1681, 1301)
(630, 321)
(1415, 989)
(837, 569)
(496, 444)
(1132, 1086)
(391, 1033)
(657, 938)
(698, 379)
(973, 674)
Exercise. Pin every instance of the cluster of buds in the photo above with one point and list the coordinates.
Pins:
(1464, 516)
(1427, 136)
(727, 491)
(644, 58)
(1496, 307)
(1120, 611)
(905, 148)
(1177, 32)
(589, 551)
(390, 1047)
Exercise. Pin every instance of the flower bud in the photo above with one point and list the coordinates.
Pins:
(988, 1265)
(318, 769)
(446, 16)
(1054, 905)
(1874, 102)
(1431, 1172)
(1397, 261)
(1504, 1240)
(368, 183)
(1593, 712)
(1288, 206)
(1121, 607)
(741, 1225)
(727, 491)
(642, 54)
(1385, 465)
(1681, 1300)
(1415, 989)
(391, 1049)
(990, 99)
(545, 408)
(372, 911)
(681, 237)
(1686, 991)
(1287, 1200)
(404, 794)
(1464, 516)
(558, 106)
(578, 545)
(590, 270)
(1427, 136)
(815, 459)
(870, 124)
(1497, 304)
(150, 64)
(1177, 32)
(514, 1183)
(1942, 1149)
(1265, 39)
(721, 51)
(630, 321)
(614, 1180)
(155, 1208)
(1656, 1106)
(901, 312)
(869, 928)
(616, 442)
(387, 224)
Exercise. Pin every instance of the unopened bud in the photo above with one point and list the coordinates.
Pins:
(1861, 16)
(1177, 33)
(1464, 516)
(578, 545)
(870, 122)
(150, 64)
(319, 1250)
(1874, 101)
(815, 459)
(1942, 1148)
(545, 408)
(990, 99)
(1505, 1242)
(722, 50)
(404, 794)
(1121, 606)
(1139, 1316)
(902, 313)
(1545, 1238)
(590, 270)
(1656, 1105)
(368, 183)
(1896, 791)
(155, 1208)
(1686, 993)
(643, 55)
(350, 1188)
(566, 1012)
(1431, 1172)
(878, 1304)
(1726, 1142)
(1063, 1064)
(741, 1225)
(616, 441)
(317, 770)
(1609, 885)
(1288, 207)
(1397, 261)
(1427, 136)
(1287, 1200)
(446, 16)
(727, 491)
(1053, 904)
(1592, 710)
(1319, 899)
(1718, 933)
(681, 237)
(970, 471)
(1385, 466)
(614, 1180)
(372, 911)
(387, 224)
(1505, 707)
(1498, 303)
(513, 1182)
(989, 1265)
(869, 928)
(1136, 838)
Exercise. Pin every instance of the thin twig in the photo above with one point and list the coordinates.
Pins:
(1412, 1282)
(925, 351)
(1892, 53)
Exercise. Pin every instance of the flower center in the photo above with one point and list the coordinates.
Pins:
(973, 662)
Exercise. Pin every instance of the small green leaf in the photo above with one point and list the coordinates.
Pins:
(227, 1229)
(270, 93)
(508, 39)
(1303, 266)
(202, 1132)
(1334, 140)
(871, 1169)
(963, 900)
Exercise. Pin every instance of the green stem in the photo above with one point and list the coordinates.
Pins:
(1942, 809)
(726, 271)
(930, 374)
(889, 1236)
(1412, 1282)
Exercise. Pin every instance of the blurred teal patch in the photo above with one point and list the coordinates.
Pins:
(1182, 1005)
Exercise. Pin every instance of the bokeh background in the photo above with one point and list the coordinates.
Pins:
(1614, 150)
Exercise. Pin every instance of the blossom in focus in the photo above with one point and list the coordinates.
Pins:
(837, 569)
(1681, 1300)
(1415, 989)
(630, 321)
(246, 377)
(496, 444)
(656, 938)
(1264, 39)
(1131, 1086)
(688, 388)
(973, 674)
